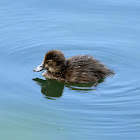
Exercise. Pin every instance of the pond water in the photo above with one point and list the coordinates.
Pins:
(34, 108)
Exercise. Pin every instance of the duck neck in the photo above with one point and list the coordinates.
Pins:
(59, 74)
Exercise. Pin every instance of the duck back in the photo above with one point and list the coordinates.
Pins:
(84, 69)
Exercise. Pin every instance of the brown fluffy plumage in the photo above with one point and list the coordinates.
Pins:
(77, 69)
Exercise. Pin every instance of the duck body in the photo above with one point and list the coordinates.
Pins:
(77, 69)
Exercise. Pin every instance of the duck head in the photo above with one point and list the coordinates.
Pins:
(54, 62)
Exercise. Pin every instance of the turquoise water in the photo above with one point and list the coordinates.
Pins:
(34, 108)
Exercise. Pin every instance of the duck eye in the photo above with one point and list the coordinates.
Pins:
(48, 61)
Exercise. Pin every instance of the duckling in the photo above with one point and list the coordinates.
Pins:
(77, 69)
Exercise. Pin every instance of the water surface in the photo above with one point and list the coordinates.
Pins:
(34, 108)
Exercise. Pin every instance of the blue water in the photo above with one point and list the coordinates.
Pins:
(34, 108)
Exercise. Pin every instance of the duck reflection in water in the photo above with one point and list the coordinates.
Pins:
(52, 89)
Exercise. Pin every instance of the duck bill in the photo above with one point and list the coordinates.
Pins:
(39, 68)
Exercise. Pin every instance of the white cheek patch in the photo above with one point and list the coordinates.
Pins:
(51, 69)
(46, 65)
